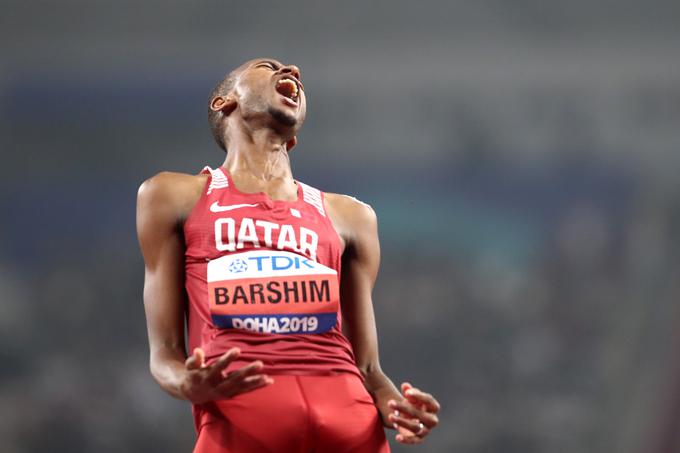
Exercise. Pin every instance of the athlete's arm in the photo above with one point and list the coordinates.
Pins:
(163, 202)
(358, 227)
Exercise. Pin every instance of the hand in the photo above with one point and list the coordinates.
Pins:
(208, 382)
(414, 416)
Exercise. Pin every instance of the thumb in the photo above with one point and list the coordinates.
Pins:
(405, 387)
(196, 360)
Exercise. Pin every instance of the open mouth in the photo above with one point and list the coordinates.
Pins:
(288, 88)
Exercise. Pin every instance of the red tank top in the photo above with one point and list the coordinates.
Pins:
(263, 275)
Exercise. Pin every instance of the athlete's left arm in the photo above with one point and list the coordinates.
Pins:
(412, 412)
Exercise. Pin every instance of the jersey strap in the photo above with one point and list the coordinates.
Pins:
(218, 179)
(313, 197)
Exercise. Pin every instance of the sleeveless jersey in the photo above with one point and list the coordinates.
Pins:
(263, 275)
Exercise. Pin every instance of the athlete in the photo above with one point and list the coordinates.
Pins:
(273, 279)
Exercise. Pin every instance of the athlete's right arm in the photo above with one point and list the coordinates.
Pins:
(163, 202)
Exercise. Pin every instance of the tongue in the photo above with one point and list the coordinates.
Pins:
(286, 88)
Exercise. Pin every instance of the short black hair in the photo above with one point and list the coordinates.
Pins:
(215, 117)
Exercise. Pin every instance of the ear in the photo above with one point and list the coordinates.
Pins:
(225, 104)
(290, 144)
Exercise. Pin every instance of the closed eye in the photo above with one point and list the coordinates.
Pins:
(267, 64)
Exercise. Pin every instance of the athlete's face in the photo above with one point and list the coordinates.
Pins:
(266, 86)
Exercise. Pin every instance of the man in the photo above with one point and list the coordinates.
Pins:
(269, 273)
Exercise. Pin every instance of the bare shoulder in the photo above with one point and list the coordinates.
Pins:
(348, 205)
(170, 193)
(351, 217)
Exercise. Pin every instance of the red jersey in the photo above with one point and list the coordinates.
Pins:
(264, 275)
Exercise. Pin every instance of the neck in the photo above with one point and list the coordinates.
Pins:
(260, 156)
(258, 161)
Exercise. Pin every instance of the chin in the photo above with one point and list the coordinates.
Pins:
(284, 118)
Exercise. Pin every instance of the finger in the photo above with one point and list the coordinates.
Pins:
(248, 370)
(420, 398)
(408, 440)
(258, 378)
(409, 436)
(399, 420)
(404, 407)
(223, 362)
(229, 389)
(405, 387)
(253, 382)
(196, 360)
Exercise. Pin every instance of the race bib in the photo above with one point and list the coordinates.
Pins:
(272, 292)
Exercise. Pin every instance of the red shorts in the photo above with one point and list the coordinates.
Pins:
(297, 413)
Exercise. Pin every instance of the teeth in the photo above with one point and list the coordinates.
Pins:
(293, 86)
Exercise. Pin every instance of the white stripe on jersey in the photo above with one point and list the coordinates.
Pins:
(313, 197)
(218, 180)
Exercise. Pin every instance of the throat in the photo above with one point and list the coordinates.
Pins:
(259, 165)
(275, 188)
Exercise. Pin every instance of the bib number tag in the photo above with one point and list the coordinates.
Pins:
(272, 292)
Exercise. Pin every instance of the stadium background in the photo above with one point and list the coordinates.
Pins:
(522, 158)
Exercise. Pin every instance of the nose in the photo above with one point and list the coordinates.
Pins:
(292, 70)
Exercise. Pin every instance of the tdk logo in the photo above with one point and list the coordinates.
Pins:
(238, 265)
(281, 263)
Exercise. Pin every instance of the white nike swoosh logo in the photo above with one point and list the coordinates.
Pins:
(215, 207)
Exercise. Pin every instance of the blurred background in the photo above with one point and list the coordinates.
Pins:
(522, 158)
